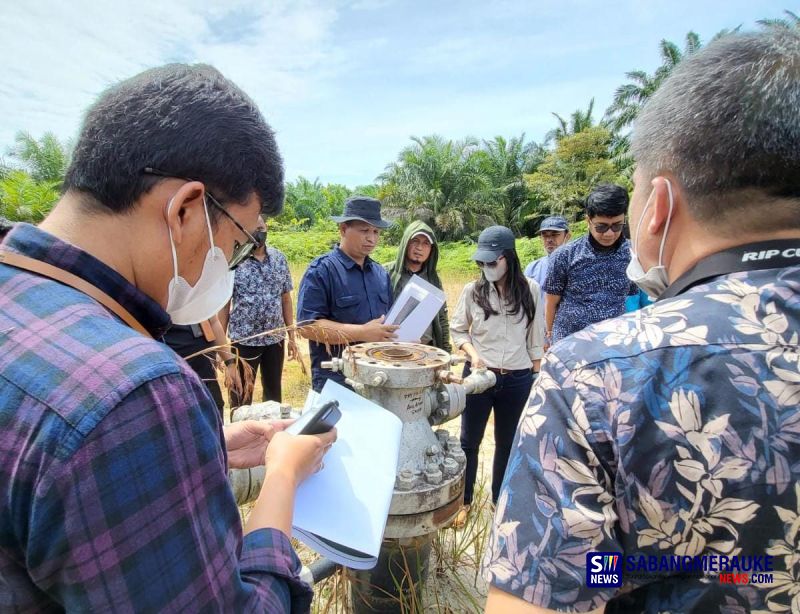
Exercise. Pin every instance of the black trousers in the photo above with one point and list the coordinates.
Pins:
(266, 360)
(508, 398)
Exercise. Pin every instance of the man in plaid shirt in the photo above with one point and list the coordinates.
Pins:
(113, 457)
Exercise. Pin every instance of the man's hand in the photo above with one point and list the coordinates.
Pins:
(247, 441)
(376, 330)
(297, 456)
(292, 349)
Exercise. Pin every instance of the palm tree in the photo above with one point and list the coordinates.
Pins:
(505, 162)
(629, 98)
(305, 201)
(46, 159)
(578, 121)
(24, 199)
(792, 21)
(438, 181)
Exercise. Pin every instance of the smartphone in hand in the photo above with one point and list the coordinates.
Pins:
(319, 420)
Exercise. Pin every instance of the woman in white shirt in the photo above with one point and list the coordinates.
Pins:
(499, 324)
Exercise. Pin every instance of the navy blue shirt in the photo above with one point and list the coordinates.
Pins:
(335, 288)
(591, 282)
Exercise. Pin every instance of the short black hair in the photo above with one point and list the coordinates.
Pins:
(725, 123)
(608, 200)
(185, 121)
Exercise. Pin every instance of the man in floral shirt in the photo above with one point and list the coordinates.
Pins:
(675, 431)
(261, 302)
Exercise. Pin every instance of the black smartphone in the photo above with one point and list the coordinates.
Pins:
(319, 420)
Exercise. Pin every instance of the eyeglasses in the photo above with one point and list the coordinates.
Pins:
(604, 228)
(488, 265)
(240, 250)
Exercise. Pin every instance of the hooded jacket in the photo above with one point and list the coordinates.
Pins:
(400, 275)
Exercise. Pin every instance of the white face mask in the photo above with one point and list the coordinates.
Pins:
(496, 272)
(656, 280)
(192, 304)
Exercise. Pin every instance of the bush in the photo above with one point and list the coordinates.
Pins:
(301, 247)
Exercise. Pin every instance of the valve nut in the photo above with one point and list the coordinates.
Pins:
(405, 480)
(457, 454)
(433, 450)
(432, 474)
(451, 467)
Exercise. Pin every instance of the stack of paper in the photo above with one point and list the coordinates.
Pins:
(415, 308)
(341, 511)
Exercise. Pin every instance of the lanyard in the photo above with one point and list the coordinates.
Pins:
(761, 256)
(73, 281)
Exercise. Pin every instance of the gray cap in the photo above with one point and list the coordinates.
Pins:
(554, 222)
(492, 242)
(362, 208)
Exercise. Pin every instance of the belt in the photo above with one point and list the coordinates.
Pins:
(506, 371)
(203, 329)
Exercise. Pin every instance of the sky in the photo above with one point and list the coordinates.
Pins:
(346, 84)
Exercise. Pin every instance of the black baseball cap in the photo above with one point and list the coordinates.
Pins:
(492, 242)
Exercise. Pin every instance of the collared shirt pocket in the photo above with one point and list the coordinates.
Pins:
(347, 308)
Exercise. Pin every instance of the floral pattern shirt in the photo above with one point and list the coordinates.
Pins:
(674, 430)
(591, 282)
(257, 292)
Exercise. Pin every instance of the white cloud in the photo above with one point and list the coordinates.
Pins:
(59, 56)
(346, 82)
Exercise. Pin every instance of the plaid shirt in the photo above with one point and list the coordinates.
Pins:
(113, 486)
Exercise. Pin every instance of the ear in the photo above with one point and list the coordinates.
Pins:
(185, 209)
(663, 194)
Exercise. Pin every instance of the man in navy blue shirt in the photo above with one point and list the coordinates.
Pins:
(346, 292)
(586, 280)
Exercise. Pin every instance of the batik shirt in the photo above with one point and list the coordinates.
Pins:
(257, 298)
(113, 480)
(674, 430)
(591, 282)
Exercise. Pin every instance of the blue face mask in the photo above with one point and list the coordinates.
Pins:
(654, 281)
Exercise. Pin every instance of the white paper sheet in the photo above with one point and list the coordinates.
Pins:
(347, 503)
(415, 308)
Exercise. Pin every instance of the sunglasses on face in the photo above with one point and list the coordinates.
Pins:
(604, 228)
(240, 250)
(488, 265)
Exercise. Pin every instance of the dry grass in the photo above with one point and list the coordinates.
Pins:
(454, 583)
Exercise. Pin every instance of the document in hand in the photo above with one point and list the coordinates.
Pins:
(415, 308)
(341, 511)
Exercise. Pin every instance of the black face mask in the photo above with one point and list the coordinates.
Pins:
(260, 236)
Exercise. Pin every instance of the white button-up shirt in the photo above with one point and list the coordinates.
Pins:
(503, 341)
